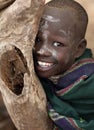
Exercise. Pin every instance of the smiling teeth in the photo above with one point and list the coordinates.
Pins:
(44, 64)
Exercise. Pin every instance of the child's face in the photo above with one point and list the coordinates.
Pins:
(55, 47)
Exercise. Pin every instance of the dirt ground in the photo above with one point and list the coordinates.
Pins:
(89, 6)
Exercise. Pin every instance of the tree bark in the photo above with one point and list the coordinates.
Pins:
(21, 90)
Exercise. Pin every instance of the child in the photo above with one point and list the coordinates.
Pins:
(65, 66)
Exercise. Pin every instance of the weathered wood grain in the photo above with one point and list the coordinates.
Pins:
(21, 90)
(5, 3)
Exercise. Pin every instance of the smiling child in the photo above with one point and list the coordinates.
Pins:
(65, 66)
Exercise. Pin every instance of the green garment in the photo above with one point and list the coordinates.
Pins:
(71, 100)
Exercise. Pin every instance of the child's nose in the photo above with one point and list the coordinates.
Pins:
(44, 50)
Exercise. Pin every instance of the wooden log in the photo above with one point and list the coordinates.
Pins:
(5, 120)
(21, 90)
(5, 3)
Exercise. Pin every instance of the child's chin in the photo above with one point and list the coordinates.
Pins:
(43, 75)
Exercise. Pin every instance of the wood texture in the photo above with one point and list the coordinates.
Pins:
(21, 90)
(5, 3)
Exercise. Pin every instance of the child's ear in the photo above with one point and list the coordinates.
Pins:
(81, 47)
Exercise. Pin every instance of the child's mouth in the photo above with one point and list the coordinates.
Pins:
(44, 65)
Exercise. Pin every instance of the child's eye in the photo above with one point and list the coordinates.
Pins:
(37, 40)
(57, 44)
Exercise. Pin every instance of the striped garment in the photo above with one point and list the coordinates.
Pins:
(71, 100)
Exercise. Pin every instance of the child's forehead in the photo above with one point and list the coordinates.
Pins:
(55, 26)
(61, 21)
(54, 14)
(50, 18)
(58, 18)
